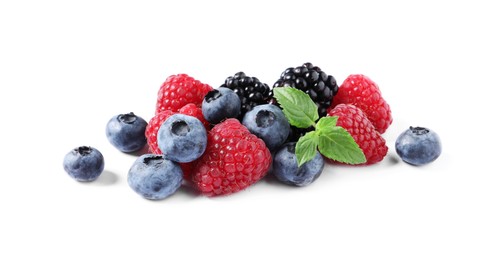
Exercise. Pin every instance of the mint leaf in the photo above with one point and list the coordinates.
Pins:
(337, 144)
(326, 122)
(297, 106)
(305, 149)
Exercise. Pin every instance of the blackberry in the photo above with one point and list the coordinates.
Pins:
(313, 81)
(250, 90)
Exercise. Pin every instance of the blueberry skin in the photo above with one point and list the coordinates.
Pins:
(126, 132)
(220, 104)
(84, 163)
(268, 123)
(286, 170)
(182, 138)
(154, 177)
(418, 146)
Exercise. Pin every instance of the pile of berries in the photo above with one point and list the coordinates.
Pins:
(221, 141)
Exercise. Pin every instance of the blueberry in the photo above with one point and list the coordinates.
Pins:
(126, 132)
(182, 138)
(268, 123)
(84, 163)
(286, 170)
(418, 146)
(220, 104)
(154, 177)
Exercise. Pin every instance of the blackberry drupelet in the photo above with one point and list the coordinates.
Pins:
(313, 81)
(250, 90)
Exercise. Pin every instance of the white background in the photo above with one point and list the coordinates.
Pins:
(66, 67)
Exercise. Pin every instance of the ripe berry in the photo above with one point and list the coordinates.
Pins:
(418, 146)
(250, 90)
(179, 90)
(313, 81)
(153, 128)
(286, 170)
(220, 104)
(362, 130)
(195, 111)
(234, 159)
(154, 177)
(268, 123)
(361, 91)
(84, 163)
(126, 132)
(182, 138)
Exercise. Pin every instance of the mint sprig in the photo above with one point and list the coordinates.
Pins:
(331, 140)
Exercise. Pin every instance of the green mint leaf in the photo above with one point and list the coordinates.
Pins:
(305, 149)
(326, 122)
(298, 107)
(337, 144)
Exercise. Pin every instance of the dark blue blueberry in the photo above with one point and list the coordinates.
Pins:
(126, 132)
(84, 163)
(182, 138)
(286, 170)
(220, 104)
(418, 146)
(154, 177)
(268, 123)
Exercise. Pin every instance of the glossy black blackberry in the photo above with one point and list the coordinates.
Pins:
(313, 81)
(250, 90)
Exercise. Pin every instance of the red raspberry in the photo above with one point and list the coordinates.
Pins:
(234, 159)
(195, 111)
(362, 92)
(361, 129)
(153, 128)
(179, 90)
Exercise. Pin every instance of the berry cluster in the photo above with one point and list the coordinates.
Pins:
(221, 141)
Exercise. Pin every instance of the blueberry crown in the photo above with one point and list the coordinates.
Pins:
(127, 118)
(83, 150)
(419, 130)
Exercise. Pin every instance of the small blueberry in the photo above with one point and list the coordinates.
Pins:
(126, 132)
(286, 170)
(268, 123)
(418, 146)
(182, 138)
(84, 163)
(154, 177)
(220, 104)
